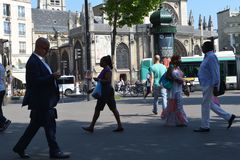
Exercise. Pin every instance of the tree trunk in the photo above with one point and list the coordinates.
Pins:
(114, 33)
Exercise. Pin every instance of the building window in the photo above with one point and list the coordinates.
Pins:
(7, 27)
(6, 10)
(55, 2)
(21, 12)
(22, 47)
(21, 29)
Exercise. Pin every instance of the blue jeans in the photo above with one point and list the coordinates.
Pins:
(159, 92)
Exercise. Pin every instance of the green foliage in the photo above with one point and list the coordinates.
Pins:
(129, 12)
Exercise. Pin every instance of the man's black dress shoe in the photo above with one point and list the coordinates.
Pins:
(118, 130)
(22, 154)
(5, 125)
(88, 129)
(201, 130)
(230, 121)
(59, 155)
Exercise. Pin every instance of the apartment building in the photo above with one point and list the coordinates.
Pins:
(51, 5)
(229, 35)
(16, 32)
(229, 30)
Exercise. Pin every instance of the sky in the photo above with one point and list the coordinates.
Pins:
(203, 7)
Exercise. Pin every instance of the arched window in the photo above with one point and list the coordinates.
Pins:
(122, 56)
(197, 50)
(179, 48)
(53, 60)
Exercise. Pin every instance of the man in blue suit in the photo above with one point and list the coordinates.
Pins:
(42, 95)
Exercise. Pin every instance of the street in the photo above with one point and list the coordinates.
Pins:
(145, 137)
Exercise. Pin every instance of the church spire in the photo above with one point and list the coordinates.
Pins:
(200, 22)
(204, 23)
(191, 19)
(210, 23)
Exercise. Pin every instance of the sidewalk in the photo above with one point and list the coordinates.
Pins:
(144, 138)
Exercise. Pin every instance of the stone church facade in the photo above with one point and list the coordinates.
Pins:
(133, 43)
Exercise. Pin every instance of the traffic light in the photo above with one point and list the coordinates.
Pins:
(64, 64)
(78, 53)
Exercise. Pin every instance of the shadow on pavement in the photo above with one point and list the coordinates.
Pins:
(148, 140)
(224, 100)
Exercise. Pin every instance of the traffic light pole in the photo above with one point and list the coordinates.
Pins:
(77, 53)
(63, 64)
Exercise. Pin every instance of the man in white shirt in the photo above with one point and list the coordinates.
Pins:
(209, 78)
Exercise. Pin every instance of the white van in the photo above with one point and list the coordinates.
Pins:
(66, 84)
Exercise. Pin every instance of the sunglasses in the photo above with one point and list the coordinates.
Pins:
(45, 48)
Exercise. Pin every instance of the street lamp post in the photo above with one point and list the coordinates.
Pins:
(88, 53)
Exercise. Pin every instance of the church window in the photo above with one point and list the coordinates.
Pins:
(122, 56)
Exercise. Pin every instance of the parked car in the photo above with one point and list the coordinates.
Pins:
(66, 84)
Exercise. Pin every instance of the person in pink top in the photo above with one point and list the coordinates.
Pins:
(175, 115)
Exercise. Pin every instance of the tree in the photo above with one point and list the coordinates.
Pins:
(127, 12)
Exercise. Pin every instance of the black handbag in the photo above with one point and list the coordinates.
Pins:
(222, 89)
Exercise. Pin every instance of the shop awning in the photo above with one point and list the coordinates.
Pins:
(20, 76)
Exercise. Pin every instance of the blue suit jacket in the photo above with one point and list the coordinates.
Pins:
(42, 92)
